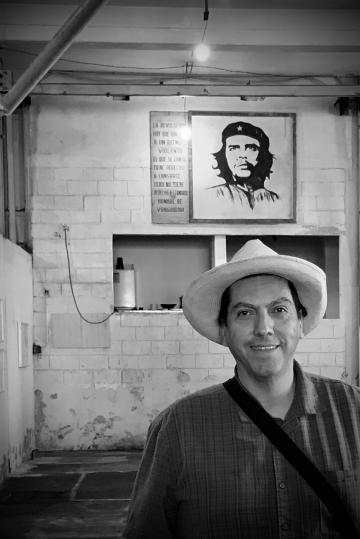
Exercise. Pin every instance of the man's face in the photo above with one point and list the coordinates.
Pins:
(263, 328)
(241, 153)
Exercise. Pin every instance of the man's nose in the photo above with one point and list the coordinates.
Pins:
(264, 324)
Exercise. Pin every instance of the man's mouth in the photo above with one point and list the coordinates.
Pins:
(264, 347)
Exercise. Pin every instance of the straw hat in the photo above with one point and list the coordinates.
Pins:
(201, 302)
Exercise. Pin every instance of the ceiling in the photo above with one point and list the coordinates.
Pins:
(131, 45)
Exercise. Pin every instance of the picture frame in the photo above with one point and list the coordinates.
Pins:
(169, 168)
(242, 167)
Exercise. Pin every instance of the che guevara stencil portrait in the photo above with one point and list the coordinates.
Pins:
(242, 167)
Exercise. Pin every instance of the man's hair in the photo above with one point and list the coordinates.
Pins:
(261, 170)
(226, 298)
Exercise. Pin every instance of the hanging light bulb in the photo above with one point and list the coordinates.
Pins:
(201, 52)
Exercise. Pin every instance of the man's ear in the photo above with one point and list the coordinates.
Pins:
(222, 333)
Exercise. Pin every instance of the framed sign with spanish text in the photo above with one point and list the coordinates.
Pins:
(243, 167)
(169, 156)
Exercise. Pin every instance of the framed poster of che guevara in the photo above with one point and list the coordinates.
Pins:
(242, 167)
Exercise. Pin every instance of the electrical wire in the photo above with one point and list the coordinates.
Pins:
(205, 28)
(62, 59)
(182, 66)
(72, 288)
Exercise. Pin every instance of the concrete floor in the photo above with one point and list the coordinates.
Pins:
(68, 494)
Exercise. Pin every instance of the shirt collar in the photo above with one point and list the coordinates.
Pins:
(306, 399)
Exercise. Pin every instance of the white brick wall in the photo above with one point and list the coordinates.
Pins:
(322, 196)
(82, 187)
(104, 189)
(149, 334)
(140, 356)
(128, 202)
(118, 188)
(98, 174)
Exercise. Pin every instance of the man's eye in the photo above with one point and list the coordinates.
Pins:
(280, 309)
(243, 313)
(253, 147)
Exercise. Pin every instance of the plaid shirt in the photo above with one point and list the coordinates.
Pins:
(208, 472)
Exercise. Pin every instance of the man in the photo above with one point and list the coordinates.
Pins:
(207, 470)
(244, 162)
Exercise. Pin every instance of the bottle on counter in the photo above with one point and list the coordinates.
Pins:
(124, 285)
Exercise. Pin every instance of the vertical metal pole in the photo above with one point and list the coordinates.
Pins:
(353, 233)
(10, 186)
(349, 246)
(2, 175)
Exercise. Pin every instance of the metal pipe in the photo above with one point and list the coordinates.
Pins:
(49, 55)
(247, 93)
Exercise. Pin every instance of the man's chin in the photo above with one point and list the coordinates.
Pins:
(268, 368)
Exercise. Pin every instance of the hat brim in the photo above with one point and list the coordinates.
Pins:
(201, 302)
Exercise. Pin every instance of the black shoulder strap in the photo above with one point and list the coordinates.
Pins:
(295, 456)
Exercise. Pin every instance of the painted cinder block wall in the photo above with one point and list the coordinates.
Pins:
(17, 433)
(90, 170)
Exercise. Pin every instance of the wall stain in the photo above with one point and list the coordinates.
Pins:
(64, 431)
(138, 393)
(151, 415)
(21, 452)
(183, 377)
(99, 419)
(54, 396)
(132, 441)
(97, 427)
(28, 444)
(40, 418)
(100, 432)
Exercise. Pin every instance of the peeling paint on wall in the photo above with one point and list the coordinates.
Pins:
(28, 443)
(40, 417)
(98, 430)
(138, 393)
(21, 452)
(64, 431)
